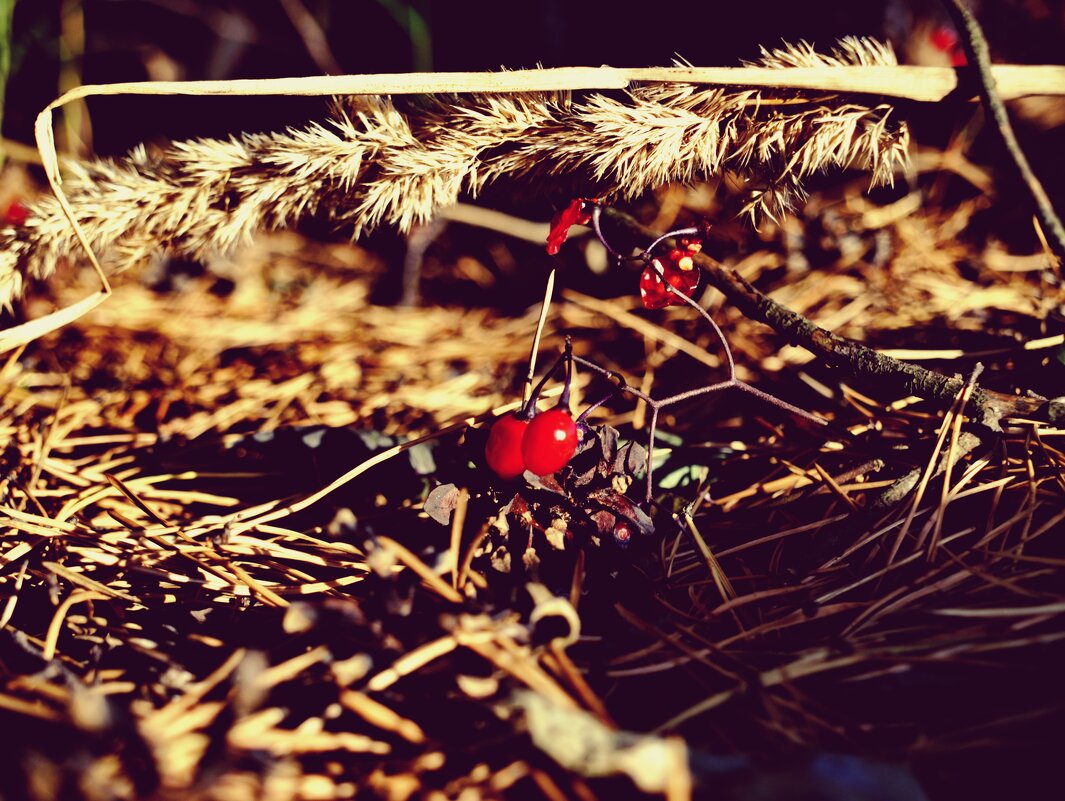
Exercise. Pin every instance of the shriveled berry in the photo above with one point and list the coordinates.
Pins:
(503, 449)
(578, 212)
(550, 442)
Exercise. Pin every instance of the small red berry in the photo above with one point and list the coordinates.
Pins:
(946, 40)
(653, 291)
(550, 441)
(16, 213)
(503, 449)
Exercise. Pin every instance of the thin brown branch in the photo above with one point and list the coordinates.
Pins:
(978, 53)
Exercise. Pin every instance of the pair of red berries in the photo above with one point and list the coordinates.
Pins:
(542, 445)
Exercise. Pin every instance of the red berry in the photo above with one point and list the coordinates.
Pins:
(944, 38)
(691, 244)
(550, 441)
(653, 290)
(503, 449)
(16, 213)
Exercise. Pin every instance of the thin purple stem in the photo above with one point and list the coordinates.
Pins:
(530, 406)
(623, 385)
(597, 211)
(679, 232)
(774, 400)
(694, 393)
(584, 415)
(567, 357)
(648, 494)
(713, 324)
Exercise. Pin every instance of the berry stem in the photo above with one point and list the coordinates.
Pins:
(781, 404)
(597, 211)
(731, 362)
(528, 410)
(647, 251)
(623, 385)
(584, 415)
(694, 393)
(652, 426)
(567, 357)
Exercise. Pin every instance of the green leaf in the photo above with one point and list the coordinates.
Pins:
(684, 476)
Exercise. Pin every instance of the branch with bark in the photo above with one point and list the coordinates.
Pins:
(863, 364)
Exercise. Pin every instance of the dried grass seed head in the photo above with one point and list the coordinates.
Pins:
(379, 161)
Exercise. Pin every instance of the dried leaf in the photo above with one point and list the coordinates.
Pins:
(440, 503)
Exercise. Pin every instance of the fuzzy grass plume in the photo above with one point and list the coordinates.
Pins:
(396, 161)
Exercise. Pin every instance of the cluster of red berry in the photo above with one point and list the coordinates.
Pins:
(542, 445)
(544, 442)
(678, 270)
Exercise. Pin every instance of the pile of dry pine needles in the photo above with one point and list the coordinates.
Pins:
(179, 622)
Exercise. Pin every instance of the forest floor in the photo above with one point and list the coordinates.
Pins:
(218, 577)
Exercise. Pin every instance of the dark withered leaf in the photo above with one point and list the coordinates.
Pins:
(594, 457)
(585, 476)
(440, 503)
(544, 483)
(608, 442)
(624, 507)
(587, 455)
(631, 459)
